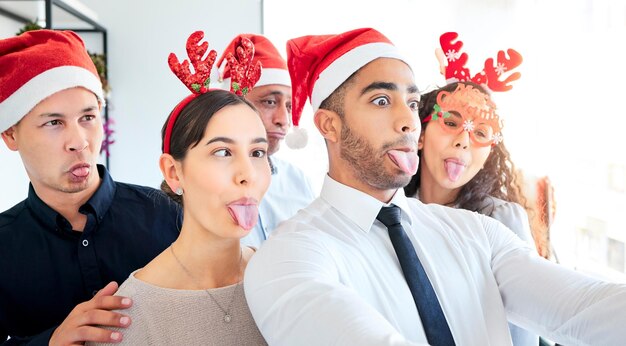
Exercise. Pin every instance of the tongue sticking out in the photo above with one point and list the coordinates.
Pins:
(454, 169)
(245, 216)
(406, 161)
(81, 171)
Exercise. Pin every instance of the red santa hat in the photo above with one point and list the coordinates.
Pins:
(274, 67)
(319, 64)
(37, 64)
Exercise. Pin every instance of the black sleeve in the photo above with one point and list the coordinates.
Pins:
(41, 339)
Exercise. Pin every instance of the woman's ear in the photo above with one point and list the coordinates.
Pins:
(171, 170)
(420, 140)
(328, 124)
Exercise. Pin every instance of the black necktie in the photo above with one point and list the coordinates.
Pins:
(433, 320)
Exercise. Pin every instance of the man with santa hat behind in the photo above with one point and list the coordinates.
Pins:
(78, 233)
(290, 189)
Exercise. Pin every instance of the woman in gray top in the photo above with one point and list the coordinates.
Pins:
(464, 164)
(214, 164)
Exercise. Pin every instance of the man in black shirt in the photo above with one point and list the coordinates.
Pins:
(78, 232)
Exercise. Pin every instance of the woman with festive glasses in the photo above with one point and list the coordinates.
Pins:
(463, 163)
(214, 164)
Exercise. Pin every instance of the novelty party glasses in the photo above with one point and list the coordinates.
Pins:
(467, 109)
(480, 132)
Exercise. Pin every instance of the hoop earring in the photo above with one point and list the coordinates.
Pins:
(179, 191)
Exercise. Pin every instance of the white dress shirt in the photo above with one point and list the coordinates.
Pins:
(289, 191)
(513, 216)
(330, 276)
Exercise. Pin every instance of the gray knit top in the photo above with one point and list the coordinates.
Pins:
(165, 316)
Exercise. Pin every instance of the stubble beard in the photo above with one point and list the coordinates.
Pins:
(74, 187)
(368, 163)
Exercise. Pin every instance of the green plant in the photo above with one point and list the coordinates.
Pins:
(99, 61)
(29, 26)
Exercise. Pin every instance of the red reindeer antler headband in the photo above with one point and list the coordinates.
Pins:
(491, 74)
(474, 104)
(197, 82)
(244, 75)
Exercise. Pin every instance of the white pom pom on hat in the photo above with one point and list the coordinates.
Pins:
(297, 138)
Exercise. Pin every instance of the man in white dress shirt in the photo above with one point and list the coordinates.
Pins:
(290, 189)
(330, 275)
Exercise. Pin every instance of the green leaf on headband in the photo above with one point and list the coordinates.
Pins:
(207, 82)
(244, 91)
(235, 86)
(195, 87)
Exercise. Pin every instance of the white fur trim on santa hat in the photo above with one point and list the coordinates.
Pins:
(22, 101)
(271, 76)
(216, 81)
(342, 68)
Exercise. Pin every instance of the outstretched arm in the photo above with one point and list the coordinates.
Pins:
(552, 300)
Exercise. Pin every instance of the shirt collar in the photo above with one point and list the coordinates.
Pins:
(274, 162)
(100, 201)
(358, 206)
(41, 210)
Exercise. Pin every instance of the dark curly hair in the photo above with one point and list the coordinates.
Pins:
(496, 179)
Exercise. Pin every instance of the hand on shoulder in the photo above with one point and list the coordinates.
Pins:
(85, 321)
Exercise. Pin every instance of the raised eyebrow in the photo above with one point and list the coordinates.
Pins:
(59, 115)
(379, 85)
(412, 89)
(273, 93)
(455, 113)
(89, 109)
(232, 141)
(481, 121)
(51, 115)
(220, 139)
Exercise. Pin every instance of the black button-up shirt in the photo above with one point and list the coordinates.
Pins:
(46, 268)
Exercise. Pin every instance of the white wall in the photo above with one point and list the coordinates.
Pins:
(141, 35)
(8, 27)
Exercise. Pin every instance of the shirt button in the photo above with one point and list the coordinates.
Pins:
(85, 242)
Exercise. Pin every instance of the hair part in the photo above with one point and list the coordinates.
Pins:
(191, 124)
